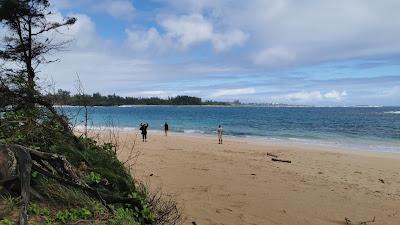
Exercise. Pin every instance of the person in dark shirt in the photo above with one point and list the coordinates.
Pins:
(143, 128)
(166, 128)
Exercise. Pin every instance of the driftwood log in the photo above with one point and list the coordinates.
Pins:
(281, 160)
(16, 163)
(272, 155)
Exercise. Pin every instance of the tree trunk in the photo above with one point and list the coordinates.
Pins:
(24, 162)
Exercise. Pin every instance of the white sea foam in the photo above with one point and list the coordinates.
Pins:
(193, 132)
(67, 106)
(392, 112)
(105, 128)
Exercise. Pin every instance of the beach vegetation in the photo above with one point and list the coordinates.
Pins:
(70, 177)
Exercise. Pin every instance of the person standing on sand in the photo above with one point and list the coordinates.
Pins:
(166, 128)
(143, 128)
(220, 132)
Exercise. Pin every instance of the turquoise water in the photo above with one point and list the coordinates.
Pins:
(372, 128)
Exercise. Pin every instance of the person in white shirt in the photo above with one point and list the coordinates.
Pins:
(220, 132)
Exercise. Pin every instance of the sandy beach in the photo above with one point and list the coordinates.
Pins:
(237, 183)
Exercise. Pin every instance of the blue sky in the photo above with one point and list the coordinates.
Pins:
(297, 52)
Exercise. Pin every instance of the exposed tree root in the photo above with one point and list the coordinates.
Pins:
(53, 166)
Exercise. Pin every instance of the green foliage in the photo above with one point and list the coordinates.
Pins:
(71, 215)
(103, 161)
(35, 128)
(34, 174)
(35, 209)
(6, 222)
(48, 221)
(124, 217)
(97, 209)
(63, 216)
(94, 210)
(93, 178)
(145, 215)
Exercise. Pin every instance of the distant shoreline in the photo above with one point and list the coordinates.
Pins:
(241, 105)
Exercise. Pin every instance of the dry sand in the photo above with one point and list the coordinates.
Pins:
(237, 183)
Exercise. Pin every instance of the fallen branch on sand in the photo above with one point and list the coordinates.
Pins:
(275, 158)
(281, 160)
(272, 155)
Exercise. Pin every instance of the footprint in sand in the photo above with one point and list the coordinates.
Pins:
(175, 149)
(202, 169)
(223, 210)
(201, 188)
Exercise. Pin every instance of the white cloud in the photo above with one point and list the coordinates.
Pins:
(288, 32)
(335, 95)
(391, 92)
(315, 96)
(182, 33)
(233, 92)
(83, 32)
(153, 93)
(304, 96)
(146, 41)
(101, 71)
(188, 30)
(274, 56)
(229, 39)
(120, 9)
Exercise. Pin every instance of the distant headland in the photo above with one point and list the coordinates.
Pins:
(62, 97)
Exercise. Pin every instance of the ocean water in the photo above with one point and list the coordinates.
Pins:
(367, 128)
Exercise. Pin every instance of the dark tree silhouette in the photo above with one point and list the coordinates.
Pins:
(27, 42)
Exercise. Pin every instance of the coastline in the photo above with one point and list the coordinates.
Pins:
(373, 130)
(393, 149)
(237, 183)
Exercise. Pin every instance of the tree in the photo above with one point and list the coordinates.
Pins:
(28, 41)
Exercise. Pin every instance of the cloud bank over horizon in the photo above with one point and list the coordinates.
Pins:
(308, 52)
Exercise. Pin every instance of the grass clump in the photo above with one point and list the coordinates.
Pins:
(60, 194)
(6, 222)
(7, 205)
